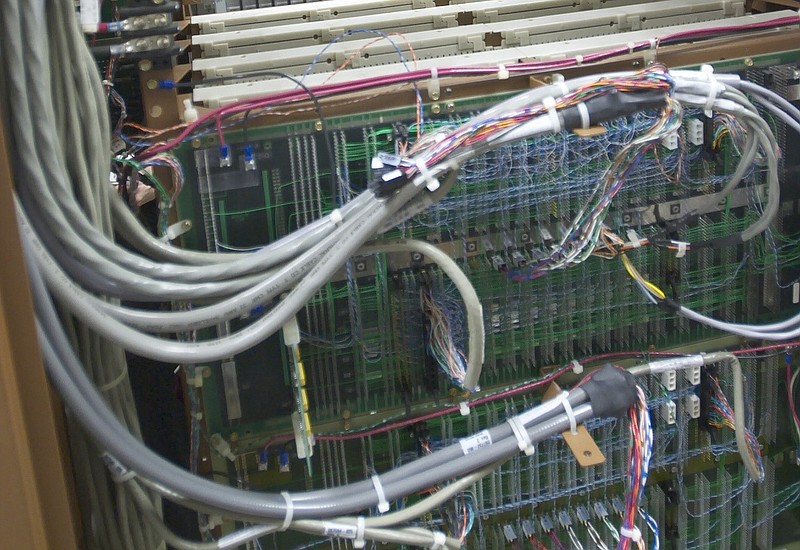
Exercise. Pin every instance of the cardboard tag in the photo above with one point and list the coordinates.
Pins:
(586, 451)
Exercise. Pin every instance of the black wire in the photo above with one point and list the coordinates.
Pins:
(311, 95)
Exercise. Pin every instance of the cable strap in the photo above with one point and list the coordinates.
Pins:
(439, 541)
(634, 534)
(427, 178)
(714, 88)
(383, 506)
(523, 439)
(287, 520)
(359, 541)
(573, 426)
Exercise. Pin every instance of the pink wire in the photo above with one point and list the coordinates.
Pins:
(326, 90)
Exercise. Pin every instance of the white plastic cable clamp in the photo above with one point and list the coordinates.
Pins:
(359, 541)
(631, 47)
(573, 424)
(119, 472)
(653, 43)
(634, 534)
(383, 505)
(336, 216)
(577, 368)
(713, 88)
(430, 182)
(287, 520)
(557, 79)
(523, 439)
(463, 408)
(439, 541)
(549, 103)
(579, 59)
(633, 237)
(502, 72)
(584, 112)
(434, 88)
(681, 252)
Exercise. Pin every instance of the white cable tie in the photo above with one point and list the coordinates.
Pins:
(631, 47)
(287, 520)
(577, 368)
(383, 506)
(579, 59)
(439, 541)
(463, 408)
(713, 88)
(523, 439)
(549, 103)
(359, 541)
(557, 79)
(584, 112)
(634, 239)
(573, 425)
(502, 72)
(434, 73)
(681, 252)
(430, 182)
(653, 43)
(336, 216)
(634, 534)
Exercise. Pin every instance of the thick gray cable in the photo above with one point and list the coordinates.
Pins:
(472, 303)
(82, 398)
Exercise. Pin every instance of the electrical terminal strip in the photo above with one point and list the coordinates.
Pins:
(694, 131)
(669, 380)
(692, 375)
(669, 412)
(692, 403)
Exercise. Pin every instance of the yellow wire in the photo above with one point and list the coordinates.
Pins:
(634, 273)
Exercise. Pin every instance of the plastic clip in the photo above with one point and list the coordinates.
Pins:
(713, 89)
(439, 541)
(383, 505)
(523, 439)
(681, 252)
(430, 182)
(502, 72)
(287, 520)
(359, 541)
(573, 425)
(634, 534)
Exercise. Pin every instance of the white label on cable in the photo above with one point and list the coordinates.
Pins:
(474, 442)
(90, 12)
(389, 159)
(796, 293)
(341, 530)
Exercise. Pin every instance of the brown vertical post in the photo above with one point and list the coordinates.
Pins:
(38, 509)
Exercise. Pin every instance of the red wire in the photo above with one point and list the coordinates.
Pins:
(413, 76)
(508, 393)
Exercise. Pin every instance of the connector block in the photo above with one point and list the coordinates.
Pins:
(669, 412)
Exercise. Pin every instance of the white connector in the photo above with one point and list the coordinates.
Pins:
(694, 131)
(670, 141)
(669, 412)
(669, 380)
(693, 375)
(692, 404)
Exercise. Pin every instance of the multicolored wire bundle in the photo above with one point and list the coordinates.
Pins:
(441, 344)
(638, 466)
(721, 415)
